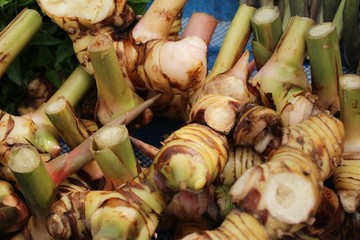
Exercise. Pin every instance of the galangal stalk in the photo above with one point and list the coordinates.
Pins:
(346, 176)
(36, 186)
(113, 214)
(282, 195)
(11, 43)
(292, 176)
(34, 127)
(114, 95)
(282, 82)
(71, 162)
(267, 28)
(325, 64)
(73, 132)
(147, 59)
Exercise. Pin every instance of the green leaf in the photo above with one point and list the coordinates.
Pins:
(44, 39)
(53, 77)
(44, 57)
(14, 72)
(4, 2)
(139, 6)
(65, 50)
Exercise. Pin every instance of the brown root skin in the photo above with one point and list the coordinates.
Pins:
(232, 83)
(173, 107)
(294, 108)
(93, 213)
(176, 107)
(240, 159)
(346, 182)
(187, 227)
(191, 158)
(14, 211)
(329, 217)
(321, 137)
(188, 205)
(215, 111)
(258, 126)
(273, 191)
(38, 92)
(109, 13)
(153, 74)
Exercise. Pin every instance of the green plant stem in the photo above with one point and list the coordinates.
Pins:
(64, 118)
(285, 67)
(73, 132)
(16, 35)
(325, 62)
(260, 53)
(75, 87)
(36, 185)
(349, 114)
(338, 18)
(114, 94)
(267, 29)
(114, 154)
(266, 25)
(68, 163)
(234, 42)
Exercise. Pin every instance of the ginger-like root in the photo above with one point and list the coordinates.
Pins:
(273, 191)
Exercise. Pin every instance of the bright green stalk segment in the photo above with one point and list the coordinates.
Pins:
(73, 90)
(325, 62)
(266, 25)
(33, 179)
(349, 111)
(16, 36)
(285, 67)
(234, 42)
(267, 28)
(223, 201)
(261, 54)
(338, 18)
(45, 141)
(64, 118)
(68, 163)
(292, 46)
(76, 86)
(114, 94)
(114, 154)
(36, 185)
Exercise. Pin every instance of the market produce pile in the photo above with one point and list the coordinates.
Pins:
(261, 150)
